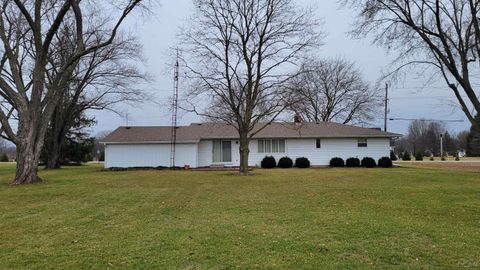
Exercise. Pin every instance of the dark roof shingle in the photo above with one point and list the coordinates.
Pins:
(197, 132)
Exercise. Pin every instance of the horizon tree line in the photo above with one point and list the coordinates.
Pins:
(423, 138)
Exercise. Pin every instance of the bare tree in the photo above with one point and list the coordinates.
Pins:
(423, 137)
(27, 32)
(443, 35)
(100, 80)
(238, 54)
(462, 139)
(332, 90)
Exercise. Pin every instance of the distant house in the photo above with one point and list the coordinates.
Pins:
(216, 144)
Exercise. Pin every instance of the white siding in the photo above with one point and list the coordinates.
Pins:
(255, 157)
(294, 148)
(205, 153)
(200, 155)
(344, 148)
(149, 155)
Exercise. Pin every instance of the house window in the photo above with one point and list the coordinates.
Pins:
(271, 146)
(362, 142)
(318, 143)
(222, 151)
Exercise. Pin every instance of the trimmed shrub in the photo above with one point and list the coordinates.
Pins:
(432, 158)
(337, 162)
(4, 157)
(285, 162)
(419, 156)
(443, 158)
(406, 156)
(269, 162)
(393, 156)
(353, 162)
(385, 162)
(302, 162)
(368, 162)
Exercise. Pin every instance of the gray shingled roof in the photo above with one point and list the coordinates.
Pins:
(197, 132)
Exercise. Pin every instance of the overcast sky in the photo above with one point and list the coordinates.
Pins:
(158, 33)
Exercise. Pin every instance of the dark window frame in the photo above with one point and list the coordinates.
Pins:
(362, 142)
(318, 143)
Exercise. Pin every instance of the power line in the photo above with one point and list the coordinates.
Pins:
(421, 97)
(427, 120)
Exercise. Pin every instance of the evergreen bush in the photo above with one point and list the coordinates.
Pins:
(269, 162)
(393, 156)
(368, 162)
(385, 162)
(353, 162)
(302, 162)
(337, 162)
(285, 162)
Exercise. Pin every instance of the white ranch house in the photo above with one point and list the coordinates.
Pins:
(216, 144)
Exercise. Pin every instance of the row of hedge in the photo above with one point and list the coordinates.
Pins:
(367, 162)
(419, 157)
(269, 162)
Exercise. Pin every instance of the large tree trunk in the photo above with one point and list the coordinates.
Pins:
(27, 163)
(31, 129)
(54, 148)
(244, 153)
(473, 143)
(53, 158)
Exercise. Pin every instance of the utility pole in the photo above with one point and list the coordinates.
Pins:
(441, 145)
(386, 108)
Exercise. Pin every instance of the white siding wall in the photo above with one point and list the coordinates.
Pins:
(200, 155)
(149, 155)
(344, 148)
(205, 153)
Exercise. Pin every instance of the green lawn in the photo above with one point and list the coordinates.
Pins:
(278, 219)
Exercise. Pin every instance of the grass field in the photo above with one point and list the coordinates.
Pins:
(403, 218)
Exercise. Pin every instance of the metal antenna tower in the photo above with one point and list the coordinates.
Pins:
(173, 141)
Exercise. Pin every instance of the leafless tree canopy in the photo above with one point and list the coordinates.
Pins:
(28, 31)
(332, 90)
(238, 54)
(99, 81)
(423, 138)
(443, 35)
